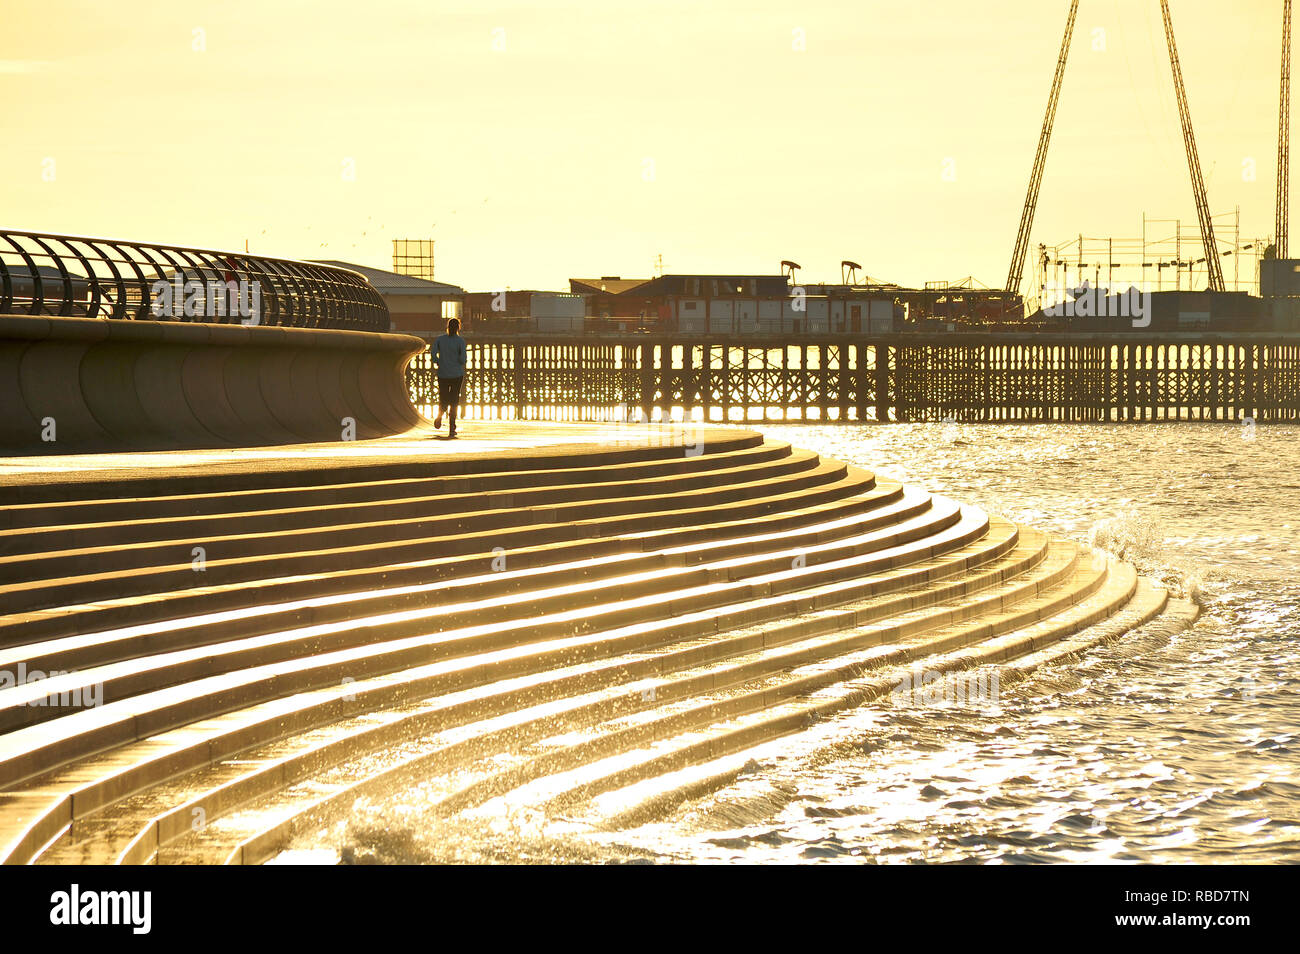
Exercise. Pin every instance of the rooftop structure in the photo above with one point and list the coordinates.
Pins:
(418, 306)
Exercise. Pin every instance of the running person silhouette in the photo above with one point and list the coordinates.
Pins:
(450, 356)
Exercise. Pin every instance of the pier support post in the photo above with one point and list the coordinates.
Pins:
(883, 397)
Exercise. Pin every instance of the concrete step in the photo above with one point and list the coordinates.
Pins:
(766, 710)
(185, 684)
(333, 517)
(546, 607)
(233, 543)
(772, 677)
(590, 688)
(655, 795)
(317, 554)
(159, 754)
(827, 520)
(594, 633)
(430, 482)
(664, 568)
(168, 475)
(631, 751)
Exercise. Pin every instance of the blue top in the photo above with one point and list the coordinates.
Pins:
(449, 354)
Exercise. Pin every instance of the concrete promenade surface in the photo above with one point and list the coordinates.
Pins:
(592, 624)
(497, 441)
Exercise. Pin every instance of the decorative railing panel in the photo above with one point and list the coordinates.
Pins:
(71, 276)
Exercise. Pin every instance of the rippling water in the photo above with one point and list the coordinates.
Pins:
(1171, 744)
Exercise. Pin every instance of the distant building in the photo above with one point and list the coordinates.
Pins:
(1279, 284)
(855, 309)
(418, 306)
(946, 305)
(616, 301)
(23, 281)
(524, 312)
(734, 304)
(1162, 311)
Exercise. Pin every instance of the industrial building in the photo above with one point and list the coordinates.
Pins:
(1279, 285)
(733, 305)
(524, 312)
(418, 306)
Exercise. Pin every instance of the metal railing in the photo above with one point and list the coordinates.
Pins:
(83, 277)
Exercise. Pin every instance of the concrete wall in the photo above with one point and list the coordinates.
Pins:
(556, 305)
(100, 385)
(1279, 277)
(556, 313)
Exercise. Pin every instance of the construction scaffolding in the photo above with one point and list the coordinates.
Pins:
(413, 257)
(1168, 256)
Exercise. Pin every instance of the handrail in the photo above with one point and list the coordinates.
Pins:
(79, 276)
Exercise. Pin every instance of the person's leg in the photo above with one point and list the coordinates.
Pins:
(444, 393)
(453, 403)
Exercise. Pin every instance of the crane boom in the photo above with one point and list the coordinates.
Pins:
(1213, 267)
(1282, 223)
(1040, 160)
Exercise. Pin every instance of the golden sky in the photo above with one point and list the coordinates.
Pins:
(541, 140)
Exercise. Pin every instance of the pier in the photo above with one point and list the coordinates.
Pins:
(959, 377)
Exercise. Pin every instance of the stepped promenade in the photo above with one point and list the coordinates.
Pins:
(244, 584)
(591, 620)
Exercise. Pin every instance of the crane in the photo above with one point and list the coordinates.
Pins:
(1281, 225)
(1213, 267)
(1040, 159)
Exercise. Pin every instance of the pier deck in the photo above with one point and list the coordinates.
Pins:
(954, 376)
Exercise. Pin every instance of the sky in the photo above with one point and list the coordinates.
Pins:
(538, 141)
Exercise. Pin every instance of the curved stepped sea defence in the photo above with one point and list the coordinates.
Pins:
(209, 659)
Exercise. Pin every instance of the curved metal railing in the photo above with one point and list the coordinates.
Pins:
(84, 277)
